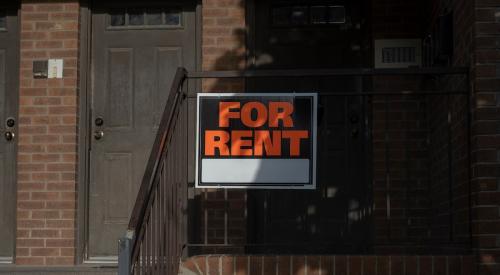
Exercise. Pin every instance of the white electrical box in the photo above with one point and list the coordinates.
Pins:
(398, 53)
(55, 68)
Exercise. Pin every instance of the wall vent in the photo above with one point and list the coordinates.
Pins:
(398, 53)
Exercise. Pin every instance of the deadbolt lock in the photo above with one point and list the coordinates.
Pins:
(10, 122)
(99, 121)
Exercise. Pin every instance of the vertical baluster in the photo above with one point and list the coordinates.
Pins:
(166, 217)
(154, 227)
(450, 168)
(169, 215)
(173, 225)
(176, 203)
(161, 223)
(149, 243)
(226, 214)
(407, 161)
(143, 255)
(387, 170)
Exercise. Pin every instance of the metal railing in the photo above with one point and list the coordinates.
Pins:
(154, 239)
(169, 221)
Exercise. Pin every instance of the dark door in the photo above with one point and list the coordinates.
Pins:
(135, 53)
(334, 218)
(9, 75)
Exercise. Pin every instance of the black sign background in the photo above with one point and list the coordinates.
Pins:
(302, 116)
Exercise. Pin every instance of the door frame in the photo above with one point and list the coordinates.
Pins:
(15, 5)
(85, 127)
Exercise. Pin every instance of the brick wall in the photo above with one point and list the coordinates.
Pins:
(47, 136)
(421, 180)
(399, 130)
(451, 214)
(448, 165)
(330, 265)
(223, 42)
(400, 167)
(486, 135)
(223, 212)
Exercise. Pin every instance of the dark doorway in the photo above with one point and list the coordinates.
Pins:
(334, 218)
(136, 49)
(9, 75)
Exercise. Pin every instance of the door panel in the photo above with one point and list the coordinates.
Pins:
(9, 76)
(334, 216)
(135, 53)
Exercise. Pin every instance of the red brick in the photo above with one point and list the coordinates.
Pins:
(370, 265)
(313, 265)
(30, 243)
(256, 264)
(283, 265)
(269, 265)
(72, 16)
(45, 214)
(32, 16)
(397, 265)
(29, 260)
(44, 251)
(44, 233)
(425, 265)
(60, 243)
(227, 264)
(22, 251)
(341, 265)
(383, 265)
(60, 260)
(44, 195)
(356, 265)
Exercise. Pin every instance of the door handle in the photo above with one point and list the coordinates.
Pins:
(98, 135)
(9, 136)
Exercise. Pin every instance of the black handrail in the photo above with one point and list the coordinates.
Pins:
(328, 72)
(157, 150)
(130, 245)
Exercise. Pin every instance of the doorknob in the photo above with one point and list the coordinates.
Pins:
(9, 136)
(98, 135)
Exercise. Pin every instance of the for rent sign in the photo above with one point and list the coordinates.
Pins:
(256, 141)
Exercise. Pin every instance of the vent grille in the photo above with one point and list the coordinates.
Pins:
(399, 55)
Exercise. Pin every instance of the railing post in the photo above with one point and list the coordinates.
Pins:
(125, 255)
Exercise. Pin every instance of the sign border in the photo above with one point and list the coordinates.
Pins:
(314, 127)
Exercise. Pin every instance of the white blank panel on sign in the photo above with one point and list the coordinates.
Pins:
(255, 170)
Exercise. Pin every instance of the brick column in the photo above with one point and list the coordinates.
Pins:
(223, 42)
(47, 136)
(486, 136)
(224, 48)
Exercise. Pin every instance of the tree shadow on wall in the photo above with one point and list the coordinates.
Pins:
(288, 221)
